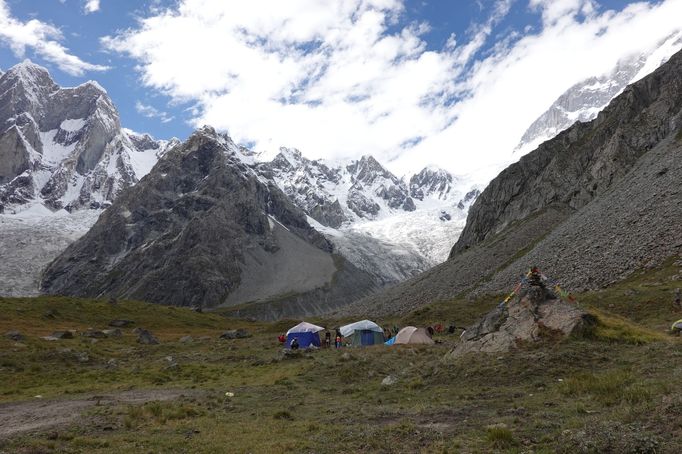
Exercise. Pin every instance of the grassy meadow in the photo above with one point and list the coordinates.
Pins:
(618, 389)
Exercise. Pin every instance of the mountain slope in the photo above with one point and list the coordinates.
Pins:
(590, 206)
(204, 229)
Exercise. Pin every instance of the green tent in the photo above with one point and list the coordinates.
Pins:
(363, 333)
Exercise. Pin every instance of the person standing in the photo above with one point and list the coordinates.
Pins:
(327, 339)
(294, 343)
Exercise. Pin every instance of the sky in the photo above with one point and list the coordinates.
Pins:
(446, 83)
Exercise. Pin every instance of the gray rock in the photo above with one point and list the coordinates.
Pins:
(186, 339)
(94, 333)
(526, 319)
(63, 334)
(389, 380)
(235, 334)
(121, 323)
(112, 332)
(146, 337)
(14, 335)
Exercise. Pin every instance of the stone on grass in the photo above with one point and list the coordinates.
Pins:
(63, 334)
(186, 339)
(121, 323)
(94, 333)
(112, 332)
(14, 335)
(146, 338)
(389, 380)
(235, 334)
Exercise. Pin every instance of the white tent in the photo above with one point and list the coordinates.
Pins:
(413, 335)
(305, 327)
(362, 325)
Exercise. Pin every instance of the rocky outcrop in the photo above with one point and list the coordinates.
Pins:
(204, 229)
(535, 315)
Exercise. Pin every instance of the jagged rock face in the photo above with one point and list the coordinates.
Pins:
(583, 101)
(63, 147)
(338, 195)
(589, 207)
(525, 320)
(436, 182)
(201, 230)
(468, 199)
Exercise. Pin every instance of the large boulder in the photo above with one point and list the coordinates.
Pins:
(534, 315)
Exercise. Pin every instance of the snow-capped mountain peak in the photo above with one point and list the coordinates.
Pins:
(64, 147)
(584, 100)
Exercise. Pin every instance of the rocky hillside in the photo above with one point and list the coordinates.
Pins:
(64, 147)
(204, 229)
(589, 207)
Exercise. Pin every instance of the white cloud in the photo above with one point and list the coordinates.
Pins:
(152, 112)
(341, 79)
(91, 6)
(44, 39)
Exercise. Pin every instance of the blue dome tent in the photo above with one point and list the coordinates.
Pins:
(306, 333)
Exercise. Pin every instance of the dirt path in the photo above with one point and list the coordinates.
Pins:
(39, 414)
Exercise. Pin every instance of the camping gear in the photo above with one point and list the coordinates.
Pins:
(364, 332)
(306, 333)
(413, 335)
(391, 341)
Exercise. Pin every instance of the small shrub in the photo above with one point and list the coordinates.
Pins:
(283, 414)
(500, 437)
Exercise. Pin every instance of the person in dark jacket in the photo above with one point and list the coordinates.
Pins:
(294, 343)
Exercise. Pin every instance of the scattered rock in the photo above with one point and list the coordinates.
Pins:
(186, 339)
(112, 332)
(14, 335)
(235, 334)
(145, 337)
(121, 323)
(82, 357)
(94, 333)
(51, 313)
(68, 334)
(389, 380)
(170, 363)
(112, 364)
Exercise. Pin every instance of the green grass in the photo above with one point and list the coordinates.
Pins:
(568, 396)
